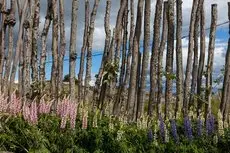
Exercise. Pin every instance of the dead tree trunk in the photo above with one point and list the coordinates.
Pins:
(179, 60)
(201, 60)
(54, 72)
(211, 48)
(154, 55)
(18, 47)
(225, 100)
(130, 50)
(133, 75)
(145, 60)
(2, 43)
(62, 46)
(169, 57)
(83, 49)
(34, 55)
(10, 21)
(187, 81)
(72, 48)
(195, 59)
(160, 57)
(89, 52)
(45, 32)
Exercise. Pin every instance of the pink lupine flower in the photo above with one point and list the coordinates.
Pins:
(26, 112)
(48, 107)
(41, 106)
(73, 114)
(33, 113)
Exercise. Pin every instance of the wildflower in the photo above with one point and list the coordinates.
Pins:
(166, 135)
(33, 113)
(73, 114)
(26, 112)
(220, 123)
(155, 136)
(150, 135)
(215, 139)
(3, 104)
(174, 131)
(210, 124)
(119, 134)
(188, 128)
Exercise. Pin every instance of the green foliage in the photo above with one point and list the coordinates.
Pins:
(67, 78)
(16, 135)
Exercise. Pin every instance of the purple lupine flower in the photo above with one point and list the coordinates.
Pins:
(150, 135)
(162, 128)
(188, 128)
(210, 124)
(174, 131)
(199, 127)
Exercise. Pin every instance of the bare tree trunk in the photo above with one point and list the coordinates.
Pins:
(145, 60)
(62, 46)
(211, 48)
(201, 60)
(89, 52)
(160, 57)
(179, 60)
(2, 43)
(136, 110)
(10, 21)
(72, 48)
(82, 60)
(118, 27)
(154, 55)
(133, 75)
(187, 81)
(34, 55)
(169, 57)
(98, 87)
(117, 104)
(44, 41)
(128, 64)
(54, 73)
(224, 106)
(20, 70)
(195, 59)
(18, 47)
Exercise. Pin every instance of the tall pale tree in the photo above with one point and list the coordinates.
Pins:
(133, 74)
(145, 59)
(160, 58)
(154, 55)
(169, 58)
(211, 48)
(72, 49)
(187, 81)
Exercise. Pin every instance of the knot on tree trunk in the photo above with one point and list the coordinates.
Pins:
(26, 24)
(73, 56)
(10, 20)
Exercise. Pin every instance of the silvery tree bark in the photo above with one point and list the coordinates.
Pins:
(225, 100)
(187, 81)
(145, 59)
(72, 49)
(89, 52)
(133, 75)
(201, 60)
(160, 58)
(83, 49)
(211, 48)
(179, 60)
(44, 36)
(169, 57)
(154, 55)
